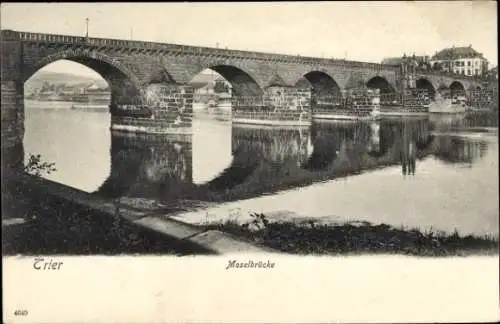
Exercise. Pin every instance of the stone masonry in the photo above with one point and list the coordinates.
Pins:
(166, 108)
(135, 70)
(278, 103)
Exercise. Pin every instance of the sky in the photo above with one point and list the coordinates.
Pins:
(363, 31)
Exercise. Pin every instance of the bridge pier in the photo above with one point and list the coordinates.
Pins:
(351, 104)
(12, 104)
(162, 109)
(278, 105)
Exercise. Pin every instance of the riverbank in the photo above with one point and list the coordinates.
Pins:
(40, 223)
(43, 224)
(41, 216)
(311, 238)
(44, 217)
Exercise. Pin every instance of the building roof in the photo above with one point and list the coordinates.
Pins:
(207, 77)
(198, 85)
(207, 81)
(454, 53)
(202, 85)
(93, 86)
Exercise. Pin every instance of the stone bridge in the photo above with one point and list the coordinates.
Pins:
(149, 81)
(435, 81)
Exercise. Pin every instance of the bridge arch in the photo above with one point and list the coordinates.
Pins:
(381, 83)
(243, 83)
(124, 84)
(457, 88)
(424, 83)
(322, 84)
(83, 56)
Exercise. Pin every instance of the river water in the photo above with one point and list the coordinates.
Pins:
(438, 173)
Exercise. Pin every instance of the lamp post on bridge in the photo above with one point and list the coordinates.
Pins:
(86, 28)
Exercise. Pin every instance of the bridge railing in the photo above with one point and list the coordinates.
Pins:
(28, 36)
(50, 38)
(477, 78)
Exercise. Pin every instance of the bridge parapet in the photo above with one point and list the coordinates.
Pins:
(451, 75)
(198, 50)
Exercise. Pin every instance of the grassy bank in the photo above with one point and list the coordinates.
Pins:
(310, 238)
(35, 223)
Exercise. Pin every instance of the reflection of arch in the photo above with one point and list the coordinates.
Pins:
(141, 167)
(242, 82)
(380, 83)
(322, 83)
(424, 83)
(260, 150)
(325, 151)
(456, 150)
(331, 140)
(242, 167)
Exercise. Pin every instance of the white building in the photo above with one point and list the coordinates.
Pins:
(460, 60)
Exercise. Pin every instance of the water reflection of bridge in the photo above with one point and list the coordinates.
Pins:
(459, 121)
(147, 167)
(266, 160)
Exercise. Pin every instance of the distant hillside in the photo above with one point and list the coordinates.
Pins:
(37, 80)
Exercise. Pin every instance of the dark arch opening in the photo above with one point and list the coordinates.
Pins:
(242, 91)
(427, 85)
(322, 84)
(380, 83)
(457, 89)
(242, 83)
